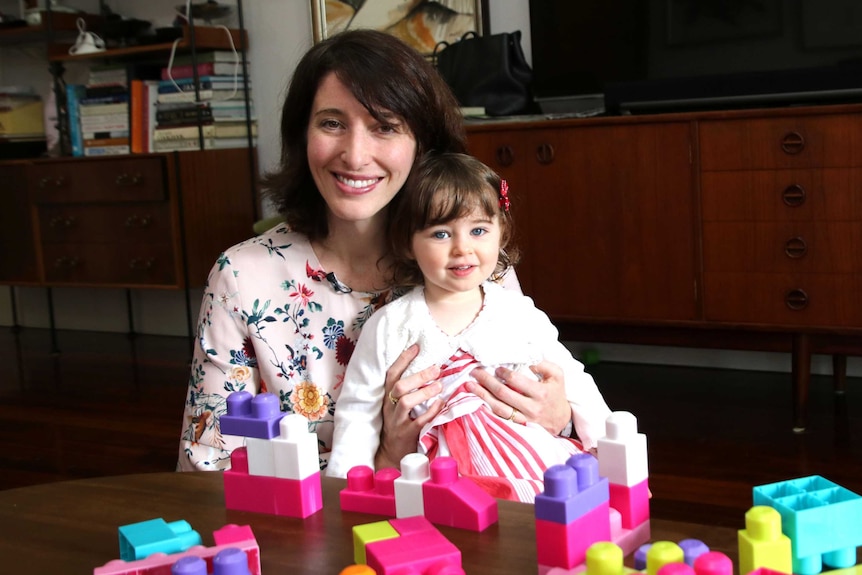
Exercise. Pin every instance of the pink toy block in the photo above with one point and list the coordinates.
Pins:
(676, 569)
(631, 502)
(298, 497)
(160, 563)
(565, 545)
(421, 548)
(232, 533)
(456, 501)
(768, 571)
(630, 539)
(369, 492)
(251, 416)
(571, 491)
(713, 563)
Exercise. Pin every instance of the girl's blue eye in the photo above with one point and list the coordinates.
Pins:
(441, 235)
(478, 232)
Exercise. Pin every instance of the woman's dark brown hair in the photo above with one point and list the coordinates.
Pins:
(441, 188)
(383, 74)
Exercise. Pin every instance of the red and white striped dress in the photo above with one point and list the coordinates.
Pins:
(507, 459)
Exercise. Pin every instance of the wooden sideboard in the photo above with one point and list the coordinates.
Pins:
(735, 229)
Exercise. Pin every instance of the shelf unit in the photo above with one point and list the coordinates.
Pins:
(155, 221)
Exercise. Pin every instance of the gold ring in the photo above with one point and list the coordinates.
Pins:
(393, 399)
(514, 413)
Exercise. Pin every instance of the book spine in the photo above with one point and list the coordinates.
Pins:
(136, 120)
(116, 98)
(187, 71)
(73, 95)
(102, 142)
(105, 134)
(106, 150)
(151, 89)
(183, 116)
(102, 109)
(208, 130)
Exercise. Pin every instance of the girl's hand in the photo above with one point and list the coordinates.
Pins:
(400, 433)
(542, 402)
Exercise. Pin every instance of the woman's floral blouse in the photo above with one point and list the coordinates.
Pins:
(271, 320)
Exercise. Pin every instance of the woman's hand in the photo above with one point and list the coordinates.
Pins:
(542, 402)
(400, 433)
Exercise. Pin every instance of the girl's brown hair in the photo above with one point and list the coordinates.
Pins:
(441, 188)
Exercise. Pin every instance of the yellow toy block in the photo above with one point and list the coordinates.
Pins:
(661, 553)
(369, 533)
(762, 544)
(606, 558)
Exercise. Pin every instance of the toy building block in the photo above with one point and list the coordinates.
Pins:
(605, 558)
(357, 570)
(369, 533)
(676, 569)
(295, 450)
(251, 416)
(415, 470)
(140, 540)
(848, 571)
(369, 492)
(622, 457)
(420, 548)
(821, 519)
(713, 563)
(160, 563)
(229, 561)
(767, 571)
(692, 549)
(456, 501)
(762, 544)
(661, 553)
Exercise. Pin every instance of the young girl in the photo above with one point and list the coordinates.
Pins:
(451, 234)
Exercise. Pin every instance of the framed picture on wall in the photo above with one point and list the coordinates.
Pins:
(420, 23)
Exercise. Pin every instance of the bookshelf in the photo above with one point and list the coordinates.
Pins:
(148, 220)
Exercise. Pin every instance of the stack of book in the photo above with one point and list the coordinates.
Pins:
(99, 113)
(213, 112)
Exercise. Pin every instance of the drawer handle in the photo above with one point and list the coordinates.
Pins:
(792, 143)
(57, 182)
(796, 299)
(62, 222)
(66, 263)
(127, 180)
(545, 154)
(793, 195)
(142, 263)
(505, 156)
(795, 248)
(134, 221)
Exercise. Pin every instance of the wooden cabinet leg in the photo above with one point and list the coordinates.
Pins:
(801, 380)
(839, 372)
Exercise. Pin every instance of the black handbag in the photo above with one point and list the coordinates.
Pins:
(488, 71)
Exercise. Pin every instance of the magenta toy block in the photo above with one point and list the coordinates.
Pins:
(676, 569)
(232, 533)
(713, 563)
(630, 539)
(411, 525)
(456, 501)
(252, 416)
(569, 493)
(160, 564)
(422, 550)
(565, 545)
(631, 502)
(768, 571)
(298, 497)
(369, 492)
(140, 540)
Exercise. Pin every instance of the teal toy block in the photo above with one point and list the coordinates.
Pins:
(140, 540)
(821, 519)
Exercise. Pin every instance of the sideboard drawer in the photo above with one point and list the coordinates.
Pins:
(124, 179)
(782, 142)
(790, 300)
(110, 264)
(118, 223)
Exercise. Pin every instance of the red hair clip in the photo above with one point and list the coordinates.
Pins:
(504, 196)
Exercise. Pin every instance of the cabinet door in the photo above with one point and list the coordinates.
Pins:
(607, 220)
(18, 264)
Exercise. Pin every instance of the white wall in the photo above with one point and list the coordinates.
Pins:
(279, 33)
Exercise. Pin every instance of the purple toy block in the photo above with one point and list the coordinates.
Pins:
(565, 545)
(252, 416)
(422, 550)
(640, 556)
(230, 561)
(189, 566)
(298, 497)
(692, 549)
(713, 563)
(456, 501)
(571, 492)
(369, 492)
(632, 502)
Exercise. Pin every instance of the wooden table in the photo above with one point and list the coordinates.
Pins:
(71, 527)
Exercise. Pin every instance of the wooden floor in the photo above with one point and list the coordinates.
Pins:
(107, 404)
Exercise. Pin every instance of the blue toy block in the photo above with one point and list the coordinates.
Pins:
(572, 490)
(252, 416)
(821, 519)
(140, 540)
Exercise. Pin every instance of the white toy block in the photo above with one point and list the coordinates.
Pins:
(622, 453)
(260, 456)
(295, 450)
(415, 470)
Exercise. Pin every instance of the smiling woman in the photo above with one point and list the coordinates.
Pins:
(419, 23)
